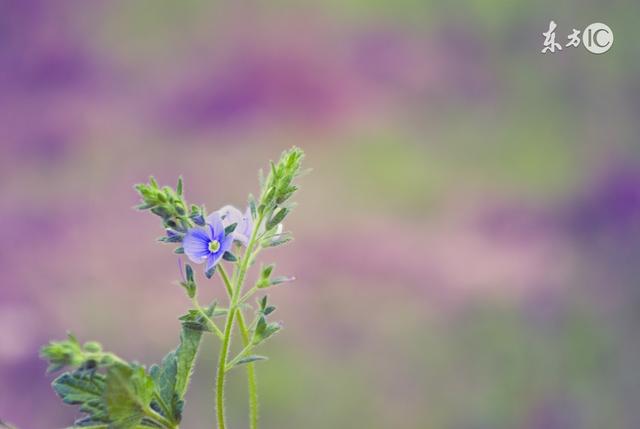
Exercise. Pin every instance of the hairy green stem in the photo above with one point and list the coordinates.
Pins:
(250, 367)
(226, 281)
(234, 295)
(222, 362)
(251, 377)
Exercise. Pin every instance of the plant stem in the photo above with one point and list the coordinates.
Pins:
(243, 265)
(251, 377)
(227, 282)
(222, 361)
(251, 370)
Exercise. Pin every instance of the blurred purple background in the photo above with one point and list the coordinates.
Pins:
(467, 244)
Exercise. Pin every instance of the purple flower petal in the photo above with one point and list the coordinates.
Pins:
(226, 244)
(213, 220)
(228, 214)
(196, 245)
(213, 259)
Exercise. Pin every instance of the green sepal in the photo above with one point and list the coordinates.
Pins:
(252, 207)
(228, 256)
(230, 228)
(277, 218)
(209, 273)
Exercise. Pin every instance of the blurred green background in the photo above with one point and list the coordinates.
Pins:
(467, 244)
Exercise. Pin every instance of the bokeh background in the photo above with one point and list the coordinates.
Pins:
(467, 246)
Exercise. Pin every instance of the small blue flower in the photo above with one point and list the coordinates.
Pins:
(207, 244)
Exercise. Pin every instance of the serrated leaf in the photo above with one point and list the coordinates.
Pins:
(164, 376)
(85, 390)
(173, 374)
(127, 395)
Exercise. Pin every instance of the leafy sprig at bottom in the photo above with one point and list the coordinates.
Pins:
(112, 393)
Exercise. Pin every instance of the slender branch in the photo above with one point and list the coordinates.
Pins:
(210, 323)
(225, 279)
(222, 360)
(248, 295)
(239, 356)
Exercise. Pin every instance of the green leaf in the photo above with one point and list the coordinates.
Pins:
(249, 359)
(264, 330)
(186, 355)
(84, 389)
(281, 279)
(173, 374)
(127, 395)
(164, 376)
(276, 240)
(179, 186)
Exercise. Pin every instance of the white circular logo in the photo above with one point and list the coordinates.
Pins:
(597, 38)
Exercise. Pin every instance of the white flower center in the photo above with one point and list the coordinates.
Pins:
(214, 246)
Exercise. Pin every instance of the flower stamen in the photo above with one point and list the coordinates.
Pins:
(214, 246)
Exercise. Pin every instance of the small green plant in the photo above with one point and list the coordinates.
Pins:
(115, 394)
